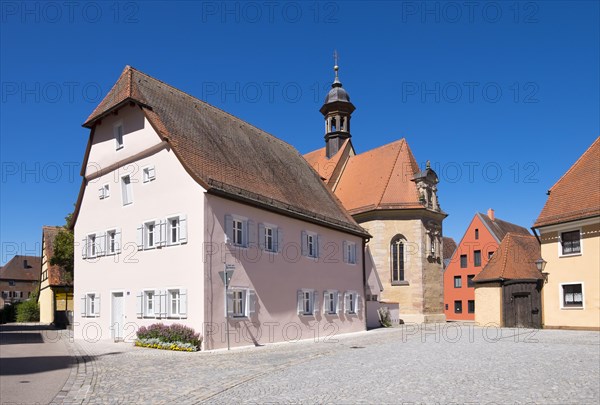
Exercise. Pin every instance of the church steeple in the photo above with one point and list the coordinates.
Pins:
(337, 110)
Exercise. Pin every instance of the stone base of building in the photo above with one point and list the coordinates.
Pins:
(423, 318)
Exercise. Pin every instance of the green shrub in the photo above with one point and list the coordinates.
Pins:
(28, 311)
(176, 334)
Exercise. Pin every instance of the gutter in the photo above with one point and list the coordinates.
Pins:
(536, 235)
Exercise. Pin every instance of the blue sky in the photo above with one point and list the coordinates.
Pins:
(501, 97)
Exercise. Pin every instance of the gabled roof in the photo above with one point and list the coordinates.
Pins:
(380, 179)
(499, 228)
(317, 159)
(16, 270)
(57, 276)
(576, 195)
(228, 156)
(513, 260)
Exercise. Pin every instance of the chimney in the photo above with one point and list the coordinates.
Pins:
(491, 214)
(25, 264)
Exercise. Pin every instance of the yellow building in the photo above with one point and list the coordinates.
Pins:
(56, 286)
(569, 229)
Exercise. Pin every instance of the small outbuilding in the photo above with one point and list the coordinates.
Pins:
(508, 289)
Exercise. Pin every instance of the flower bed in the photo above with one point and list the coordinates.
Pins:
(172, 337)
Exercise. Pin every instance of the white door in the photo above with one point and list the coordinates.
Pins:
(117, 316)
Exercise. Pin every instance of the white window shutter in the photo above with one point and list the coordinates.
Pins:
(140, 305)
(336, 297)
(250, 234)
(97, 305)
(300, 297)
(357, 307)
(101, 193)
(183, 229)
(229, 303)
(140, 237)
(106, 191)
(157, 302)
(183, 303)
(151, 173)
(251, 302)
(85, 248)
(318, 246)
(304, 243)
(315, 303)
(326, 300)
(100, 244)
(164, 304)
(228, 229)
(118, 240)
(84, 305)
(345, 252)
(261, 236)
(279, 240)
(162, 233)
(346, 302)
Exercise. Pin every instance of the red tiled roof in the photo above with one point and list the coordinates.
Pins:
(380, 179)
(56, 275)
(325, 167)
(449, 247)
(500, 228)
(513, 260)
(576, 195)
(228, 156)
(15, 269)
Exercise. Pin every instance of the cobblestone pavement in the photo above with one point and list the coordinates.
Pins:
(442, 364)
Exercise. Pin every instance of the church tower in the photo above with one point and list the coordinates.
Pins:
(337, 110)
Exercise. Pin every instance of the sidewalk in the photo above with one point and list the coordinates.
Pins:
(35, 363)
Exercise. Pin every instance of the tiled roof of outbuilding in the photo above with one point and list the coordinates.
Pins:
(514, 260)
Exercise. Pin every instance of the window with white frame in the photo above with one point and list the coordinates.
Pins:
(111, 242)
(104, 192)
(91, 246)
(269, 237)
(349, 252)
(149, 303)
(240, 302)
(570, 242)
(90, 305)
(310, 244)
(351, 302)
(307, 302)
(118, 132)
(175, 305)
(150, 235)
(572, 295)
(330, 302)
(126, 190)
(236, 230)
(148, 174)
(177, 230)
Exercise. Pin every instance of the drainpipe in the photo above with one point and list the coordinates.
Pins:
(364, 266)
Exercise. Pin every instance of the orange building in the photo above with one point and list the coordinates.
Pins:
(476, 247)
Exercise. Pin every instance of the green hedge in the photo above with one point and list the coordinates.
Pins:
(28, 311)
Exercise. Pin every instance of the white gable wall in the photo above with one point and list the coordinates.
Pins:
(173, 192)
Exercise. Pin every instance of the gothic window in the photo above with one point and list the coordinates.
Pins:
(398, 260)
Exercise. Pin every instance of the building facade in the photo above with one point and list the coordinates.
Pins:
(187, 192)
(479, 242)
(569, 232)
(56, 285)
(395, 201)
(19, 278)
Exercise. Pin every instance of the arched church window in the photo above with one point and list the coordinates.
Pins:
(398, 253)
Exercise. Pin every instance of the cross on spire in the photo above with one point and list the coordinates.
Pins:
(335, 65)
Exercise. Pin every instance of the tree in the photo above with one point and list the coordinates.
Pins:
(64, 249)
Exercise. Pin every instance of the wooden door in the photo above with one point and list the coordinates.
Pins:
(522, 310)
